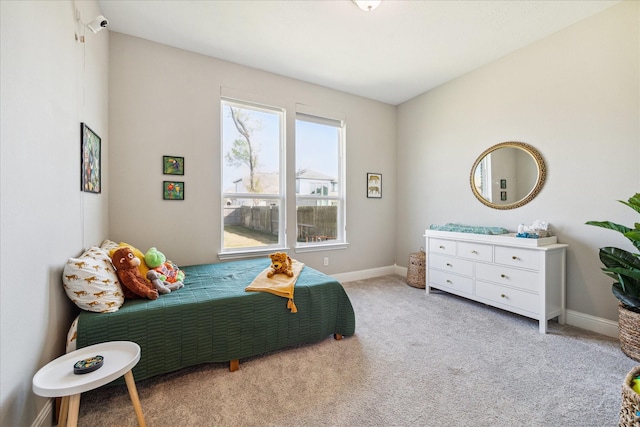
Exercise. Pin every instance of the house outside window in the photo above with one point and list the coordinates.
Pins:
(252, 163)
(319, 180)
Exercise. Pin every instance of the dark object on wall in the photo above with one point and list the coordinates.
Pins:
(172, 165)
(374, 185)
(90, 160)
(503, 196)
(173, 190)
(503, 184)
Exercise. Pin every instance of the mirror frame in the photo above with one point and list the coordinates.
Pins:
(542, 174)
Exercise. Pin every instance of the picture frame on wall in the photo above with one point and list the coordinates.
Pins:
(172, 165)
(90, 160)
(173, 190)
(374, 185)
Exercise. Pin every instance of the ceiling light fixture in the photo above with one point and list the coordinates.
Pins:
(367, 5)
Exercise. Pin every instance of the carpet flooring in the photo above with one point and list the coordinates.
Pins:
(415, 360)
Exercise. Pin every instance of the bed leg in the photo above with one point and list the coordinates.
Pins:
(337, 337)
(234, 365)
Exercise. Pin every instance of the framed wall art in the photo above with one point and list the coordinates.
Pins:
(90, 160)
(173, 190)
(374, 185)
(172, 165)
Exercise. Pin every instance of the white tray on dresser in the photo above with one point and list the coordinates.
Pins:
(524, 276)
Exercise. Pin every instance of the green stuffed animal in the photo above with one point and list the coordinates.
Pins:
(156, 261)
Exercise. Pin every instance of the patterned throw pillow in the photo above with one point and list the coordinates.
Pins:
(91, 282)
(108, 246)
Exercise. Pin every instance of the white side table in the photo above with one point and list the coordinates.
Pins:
(57, 379)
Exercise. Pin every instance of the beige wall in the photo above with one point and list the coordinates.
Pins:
(166, 101)
(575, 97)
(49, 84)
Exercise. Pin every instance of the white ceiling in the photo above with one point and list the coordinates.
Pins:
(398, 51)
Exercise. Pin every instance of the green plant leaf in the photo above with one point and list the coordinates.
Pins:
(627, 300)
(633, 203)
(610, 225)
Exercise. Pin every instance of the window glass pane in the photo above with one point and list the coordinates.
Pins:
(317, 158)
(317, 223)
(254, 224)
(251, 149)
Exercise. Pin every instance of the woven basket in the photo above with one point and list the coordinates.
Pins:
(416, 271)
(630, 409)
(629, 332)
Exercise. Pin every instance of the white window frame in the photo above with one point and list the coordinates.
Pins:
(314, 115)
(249, 251)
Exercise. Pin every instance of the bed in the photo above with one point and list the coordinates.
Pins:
(213, 319)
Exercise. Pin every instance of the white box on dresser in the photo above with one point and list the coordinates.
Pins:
(524, 276)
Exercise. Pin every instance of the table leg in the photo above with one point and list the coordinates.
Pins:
(133, 393)
(64, 412)
(74, 408)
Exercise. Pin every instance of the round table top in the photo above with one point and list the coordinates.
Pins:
(57, 378)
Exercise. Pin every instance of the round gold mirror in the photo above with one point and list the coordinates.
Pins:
(508, 175)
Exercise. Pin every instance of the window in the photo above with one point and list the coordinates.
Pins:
(319, 180)
(252, 176)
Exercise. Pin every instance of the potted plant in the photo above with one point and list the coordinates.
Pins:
(624, 268)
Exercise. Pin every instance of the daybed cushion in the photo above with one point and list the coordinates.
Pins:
(213, 319)
(91, 282)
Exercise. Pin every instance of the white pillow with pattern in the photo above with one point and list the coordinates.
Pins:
(91, 282)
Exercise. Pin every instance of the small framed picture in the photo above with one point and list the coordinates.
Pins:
(374, 185)
(172, 165)
(173, 190)
(503, 184)
(90, 160)
(503, 196)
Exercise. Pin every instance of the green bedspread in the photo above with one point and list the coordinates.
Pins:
(213, 319)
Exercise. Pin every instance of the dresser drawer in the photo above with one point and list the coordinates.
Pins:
(517, 257)
(451, 265)
(502, 275)
(445, 280)
(441, 246)
(475, 251)
(511, 297)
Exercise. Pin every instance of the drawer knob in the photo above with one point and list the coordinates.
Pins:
(449, 281)
(474, 252)
(514, 257)
(449, 265)
(504, 276)
(441, 247)
(503, 296)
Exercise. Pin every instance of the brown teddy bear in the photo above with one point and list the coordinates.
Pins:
(133, 284)
(280, 263)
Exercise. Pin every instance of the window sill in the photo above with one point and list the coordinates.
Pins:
(226, 256)
(320, 247)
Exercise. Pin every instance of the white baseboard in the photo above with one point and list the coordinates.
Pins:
(591, 323)
(364, 274)
(45, 417)
(574, 318)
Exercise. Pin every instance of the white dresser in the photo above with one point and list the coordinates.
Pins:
(524, 276)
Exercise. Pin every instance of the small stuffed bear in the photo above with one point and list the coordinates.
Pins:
(159, 282)
(158, 262)
(133, 284)
(280, 263)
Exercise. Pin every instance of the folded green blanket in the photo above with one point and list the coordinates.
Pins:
(469, 229)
